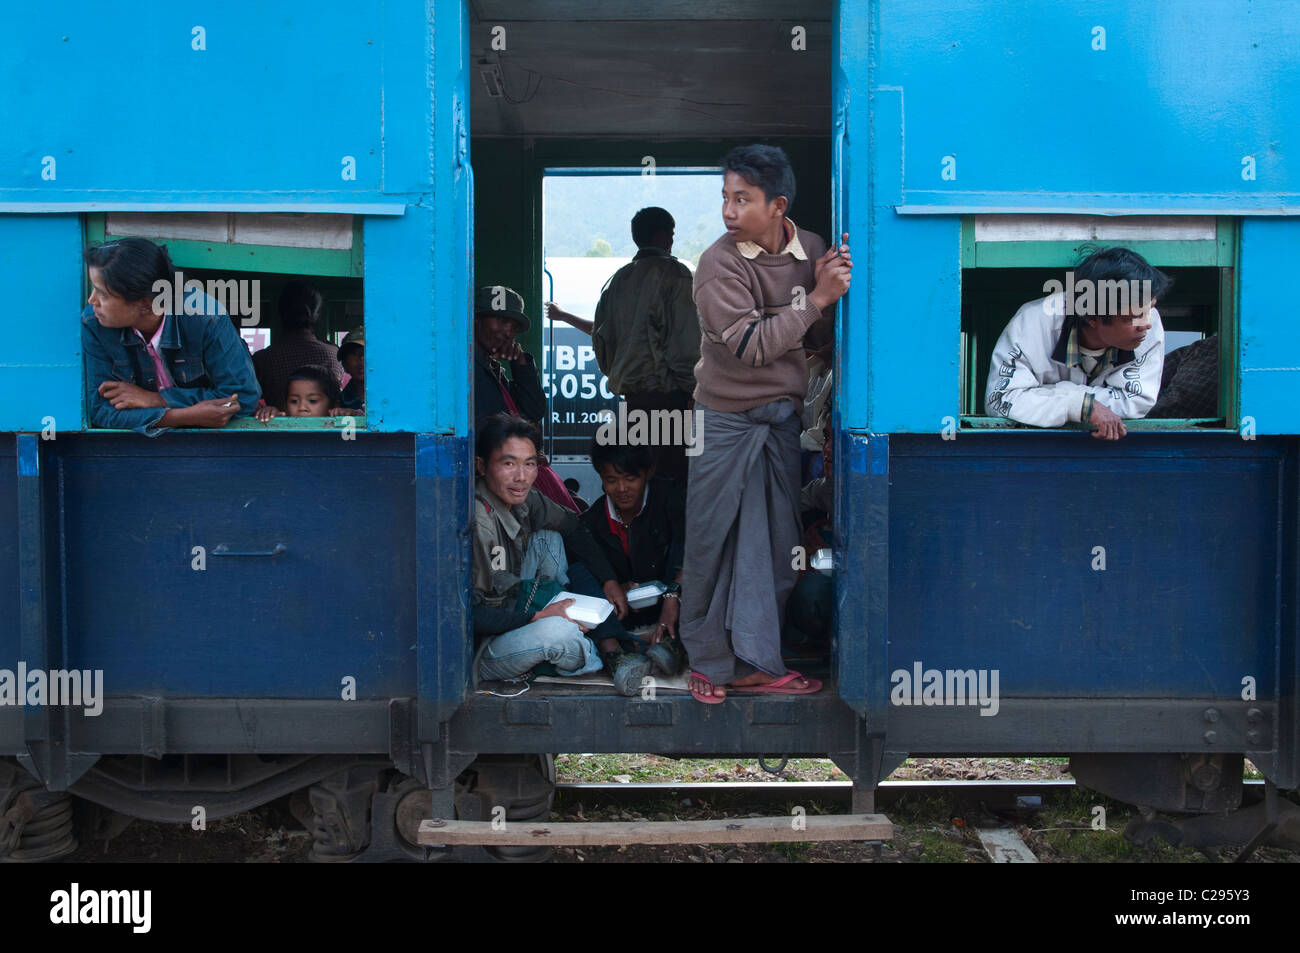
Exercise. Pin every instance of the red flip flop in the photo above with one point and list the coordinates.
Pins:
(780, 687)
(707, 699)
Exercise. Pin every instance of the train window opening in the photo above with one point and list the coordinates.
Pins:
(243, 263)
(1007, 264)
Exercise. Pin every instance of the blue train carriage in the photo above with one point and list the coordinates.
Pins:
(257, 610)
(1131, 603)
(307, 592)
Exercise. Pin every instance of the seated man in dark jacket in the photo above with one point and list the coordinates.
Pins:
(148, 369)
(640, 525)
(521, 535)
(498, 317)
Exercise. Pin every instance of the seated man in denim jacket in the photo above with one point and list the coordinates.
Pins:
(148, 369)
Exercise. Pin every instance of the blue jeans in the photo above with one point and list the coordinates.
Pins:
(553, 639)
(546, 558)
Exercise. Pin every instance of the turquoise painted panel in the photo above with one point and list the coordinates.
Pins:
(260, 119)
(900, 335)
(913, 370)
(964, 106)
(113, 105)
(417, 285)
(1103, 106)
(401, 343)
(40, 371)
(1270, 335)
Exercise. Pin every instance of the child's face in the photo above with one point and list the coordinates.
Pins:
(625, 489)
(306, 399)
(355, 364)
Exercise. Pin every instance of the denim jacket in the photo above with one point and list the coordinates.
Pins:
(204, 354)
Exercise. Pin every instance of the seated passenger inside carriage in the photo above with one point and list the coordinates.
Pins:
(640, 525)
(1091, 352)
(352, 355)
(498, 317)
(1189, 383)
(296, 345)
(313, 392)
(148, 369)
(522, 546)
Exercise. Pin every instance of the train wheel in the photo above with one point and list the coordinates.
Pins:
(337, 812)
(508, 789)
(35, 824)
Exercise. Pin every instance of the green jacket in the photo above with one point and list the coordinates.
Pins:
(500, 542)
(646, 332)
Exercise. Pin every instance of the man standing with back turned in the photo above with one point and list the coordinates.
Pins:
(646, 333)
(759, 289)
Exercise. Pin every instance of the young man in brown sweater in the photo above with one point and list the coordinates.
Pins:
(760, 290)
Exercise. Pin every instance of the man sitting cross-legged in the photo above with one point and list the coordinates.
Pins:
(522, 539)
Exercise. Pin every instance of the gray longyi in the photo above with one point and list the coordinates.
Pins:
(742, 507)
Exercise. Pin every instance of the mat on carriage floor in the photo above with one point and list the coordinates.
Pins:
(676, 683)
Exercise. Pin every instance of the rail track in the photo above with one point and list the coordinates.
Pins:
(992, 792)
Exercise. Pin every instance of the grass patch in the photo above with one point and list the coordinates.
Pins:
(1067, 829)
(633, 768)
(938, 848)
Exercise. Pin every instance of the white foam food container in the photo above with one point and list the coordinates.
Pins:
(643, 597)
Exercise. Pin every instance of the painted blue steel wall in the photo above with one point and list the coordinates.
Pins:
(1037, 117)
(132, 113)
(41, 369)
(1270, 334)
(982, 554)
(994, 562)
(339, 601)
(9, 619)
(107, 108)
(1015, 103)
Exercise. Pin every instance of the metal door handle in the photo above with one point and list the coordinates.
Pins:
(279, 550)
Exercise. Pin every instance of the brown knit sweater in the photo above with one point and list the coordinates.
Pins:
(751, 352)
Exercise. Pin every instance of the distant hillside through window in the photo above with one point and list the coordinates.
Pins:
(591, 215)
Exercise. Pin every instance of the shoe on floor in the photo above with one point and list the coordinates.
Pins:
(666, 656)
(627, 671)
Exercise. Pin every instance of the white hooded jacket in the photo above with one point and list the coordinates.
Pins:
(1032, 381)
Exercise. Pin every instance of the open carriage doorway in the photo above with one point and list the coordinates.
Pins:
(586, 232)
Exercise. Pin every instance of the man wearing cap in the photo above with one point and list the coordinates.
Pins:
(498, 317)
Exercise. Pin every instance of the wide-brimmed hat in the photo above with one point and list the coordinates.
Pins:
(501, 302)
